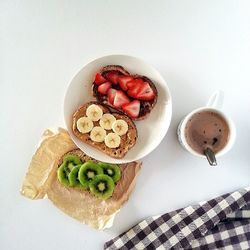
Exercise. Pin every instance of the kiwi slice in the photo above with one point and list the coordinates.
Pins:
(73, 177)
(102, 186)
(87, 172)
(111, 170)
(74, 159)
(62, 175)
(69, 163)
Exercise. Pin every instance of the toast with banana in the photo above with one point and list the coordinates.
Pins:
(111, 132)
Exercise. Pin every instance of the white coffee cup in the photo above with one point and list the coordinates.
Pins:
(214, 105)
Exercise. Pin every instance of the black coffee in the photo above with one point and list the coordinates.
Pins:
(207, 129)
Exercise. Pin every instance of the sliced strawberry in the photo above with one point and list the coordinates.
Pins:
(145, 93)
(132, 108)
(134, 87)
(103, 88)
(111, 95)
(120, 99)
(123, 80)
(99, 79)
(134, 82)
(112, 76)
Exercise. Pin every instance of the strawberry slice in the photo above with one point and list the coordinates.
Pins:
(112, 76)
(145, 93)
(134, 87)
(111, 95)
(99, 79)
(134, 82)
(123, 80)
(103, 88)
(120, 99)
(132, 108)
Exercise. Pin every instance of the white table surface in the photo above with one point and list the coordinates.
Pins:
(198, 46)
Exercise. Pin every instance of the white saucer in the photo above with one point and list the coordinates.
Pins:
(151, 131)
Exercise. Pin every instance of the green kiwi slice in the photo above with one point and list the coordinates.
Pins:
(73, 177)
(69, 163)
(102, 186)
(111, 170)
(87, 172)
(74, 159)
(62, 175)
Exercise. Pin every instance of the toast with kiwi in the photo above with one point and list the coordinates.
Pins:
(133, 94)
(42, 180)
(77, 171)
(110, 141)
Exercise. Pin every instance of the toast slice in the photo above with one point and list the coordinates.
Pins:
(145, 106)
(93, 209)
(41, 181)
(127, 141)
(118, 68)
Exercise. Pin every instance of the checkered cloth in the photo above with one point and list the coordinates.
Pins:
(220, 223)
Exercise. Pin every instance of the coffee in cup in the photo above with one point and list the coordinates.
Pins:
(207, 129)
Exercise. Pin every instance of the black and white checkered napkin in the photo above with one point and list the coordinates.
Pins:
(220, 223)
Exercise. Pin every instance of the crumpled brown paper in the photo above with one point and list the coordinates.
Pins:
(41, 181)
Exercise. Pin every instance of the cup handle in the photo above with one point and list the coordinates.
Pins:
(216, 100)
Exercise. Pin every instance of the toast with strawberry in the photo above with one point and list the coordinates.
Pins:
(134, 95)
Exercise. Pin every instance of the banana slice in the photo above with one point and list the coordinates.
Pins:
(107, 121)
(97, 134)
(94, 112)
(120, 127)
(112, 140)
(84, 125)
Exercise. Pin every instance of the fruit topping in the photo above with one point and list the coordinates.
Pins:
(62, 175)
(135, 82)
(69, 163)
(107, 121)
(123, 80)
(102, 186)
(112, 76)
(94, 112)
(111, 95)
(104, 87)
(111, 170)
(73, 177)
(87, 173)
(120, 99)
(72, 159)
(134, 87)
(112, 140)
(132, 108)
(97, 134)
(99, 79)
(84, 125)
(145, 93)
(99, 178)
(118, 88)
(120, 127)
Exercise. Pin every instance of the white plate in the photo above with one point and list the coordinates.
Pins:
(151, 131)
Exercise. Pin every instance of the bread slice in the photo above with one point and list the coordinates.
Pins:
(127, 141)
(118, 68)
(41, 181)
(146, 106)
(81, 203)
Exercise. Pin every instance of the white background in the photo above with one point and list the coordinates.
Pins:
(198, 46)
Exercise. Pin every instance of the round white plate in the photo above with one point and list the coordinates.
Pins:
(151, 131)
